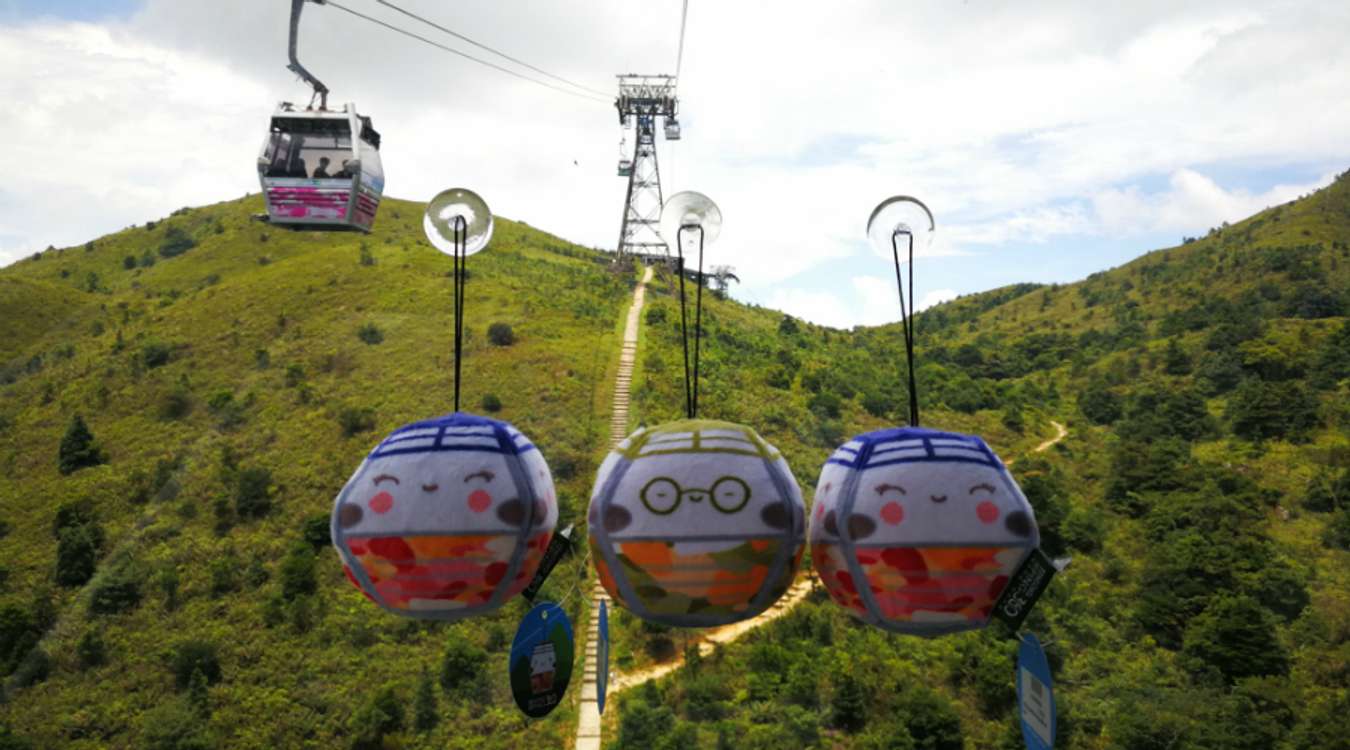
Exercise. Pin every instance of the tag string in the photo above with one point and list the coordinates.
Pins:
(461, 261)
(907, 318)
(691, 380)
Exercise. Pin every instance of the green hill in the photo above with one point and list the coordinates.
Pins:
(233, 374)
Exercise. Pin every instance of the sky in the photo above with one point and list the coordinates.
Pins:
(1050, 139)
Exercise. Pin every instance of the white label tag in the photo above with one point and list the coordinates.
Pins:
(1036, 706)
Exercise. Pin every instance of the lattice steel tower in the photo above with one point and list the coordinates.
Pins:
(642, 99)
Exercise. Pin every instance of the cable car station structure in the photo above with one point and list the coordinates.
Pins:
(642, 99)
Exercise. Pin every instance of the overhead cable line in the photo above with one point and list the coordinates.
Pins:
(482, 46)
(466, 56)
(679, 55)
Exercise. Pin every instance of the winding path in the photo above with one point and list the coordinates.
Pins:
(588, 717)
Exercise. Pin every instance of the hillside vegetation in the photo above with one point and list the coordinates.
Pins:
(1203, 495)
(233, 375)
(173, 588)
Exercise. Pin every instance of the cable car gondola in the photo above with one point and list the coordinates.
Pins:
(672, 129)
(320, 167)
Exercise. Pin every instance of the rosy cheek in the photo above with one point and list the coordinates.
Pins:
(892, 513)
(382, 502)
(479, 501)
(987, 511)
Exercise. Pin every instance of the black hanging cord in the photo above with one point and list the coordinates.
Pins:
(461, 260)
(691, 381)
(907, 319)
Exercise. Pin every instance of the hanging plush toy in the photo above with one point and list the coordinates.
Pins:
(446, 518)
(914, 530)
(696, 523)
(917, 531)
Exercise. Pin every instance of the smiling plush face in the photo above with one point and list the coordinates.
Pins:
(701, 517)
(440, 513)
(932, 519)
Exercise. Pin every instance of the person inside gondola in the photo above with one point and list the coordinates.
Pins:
(346, 172)
(321, 172)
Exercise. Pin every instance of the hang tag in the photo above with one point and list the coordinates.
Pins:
(557, 547)
(602, 659)
(1024, 588)
(541, 659)
(1035, 695)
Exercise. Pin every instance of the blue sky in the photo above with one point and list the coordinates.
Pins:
(72, 10)
(1050, 140)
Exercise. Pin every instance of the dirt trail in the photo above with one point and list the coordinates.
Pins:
(588, 717)
(1061, 432)
(712, 636)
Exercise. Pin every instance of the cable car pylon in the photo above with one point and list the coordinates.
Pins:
(642, 99)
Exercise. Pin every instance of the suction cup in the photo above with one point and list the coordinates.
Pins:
(900, 213)
(690, 208)
(439, 220)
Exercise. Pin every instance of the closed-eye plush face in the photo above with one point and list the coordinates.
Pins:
(697, 515)
(441, 511)
(932, 519)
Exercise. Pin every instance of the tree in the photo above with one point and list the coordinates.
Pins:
(175, 242)
(253, 489)
(198, 696)
(461, 666)
(931, 720)
(381, 716)
(425, 716)
(77, 551)
(1260, 410)
(1099, 404)
(1236, 636)
(1337, 534)
(848, 709)
(1175, 360)
(78, 448)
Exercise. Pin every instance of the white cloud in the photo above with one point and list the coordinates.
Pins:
(937, 297)
(1016, 123)
(1192, 203)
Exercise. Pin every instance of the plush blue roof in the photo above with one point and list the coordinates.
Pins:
(454, 432)
(899, 445)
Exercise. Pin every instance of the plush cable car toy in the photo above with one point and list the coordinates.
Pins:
(446, 518)
(916, 530)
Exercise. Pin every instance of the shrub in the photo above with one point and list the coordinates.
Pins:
(117, 591)
(491, 404)
(382, 715)
(370, 333)
(295, 375)
(1236, 636)
(501, 334)
(78, 448)
(262, 359)
(297, 572)
(253, 492)
(91, 652)
(193, 655)
(356, 420)
(424, 711)
(175, 725)
(34, 668)
(317, 531)
(367, 259)
(129, 262)
(177, 404)
(175, 242)
(155, 354)
(1337, 534)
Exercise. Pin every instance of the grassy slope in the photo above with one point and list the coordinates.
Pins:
(217, 306)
